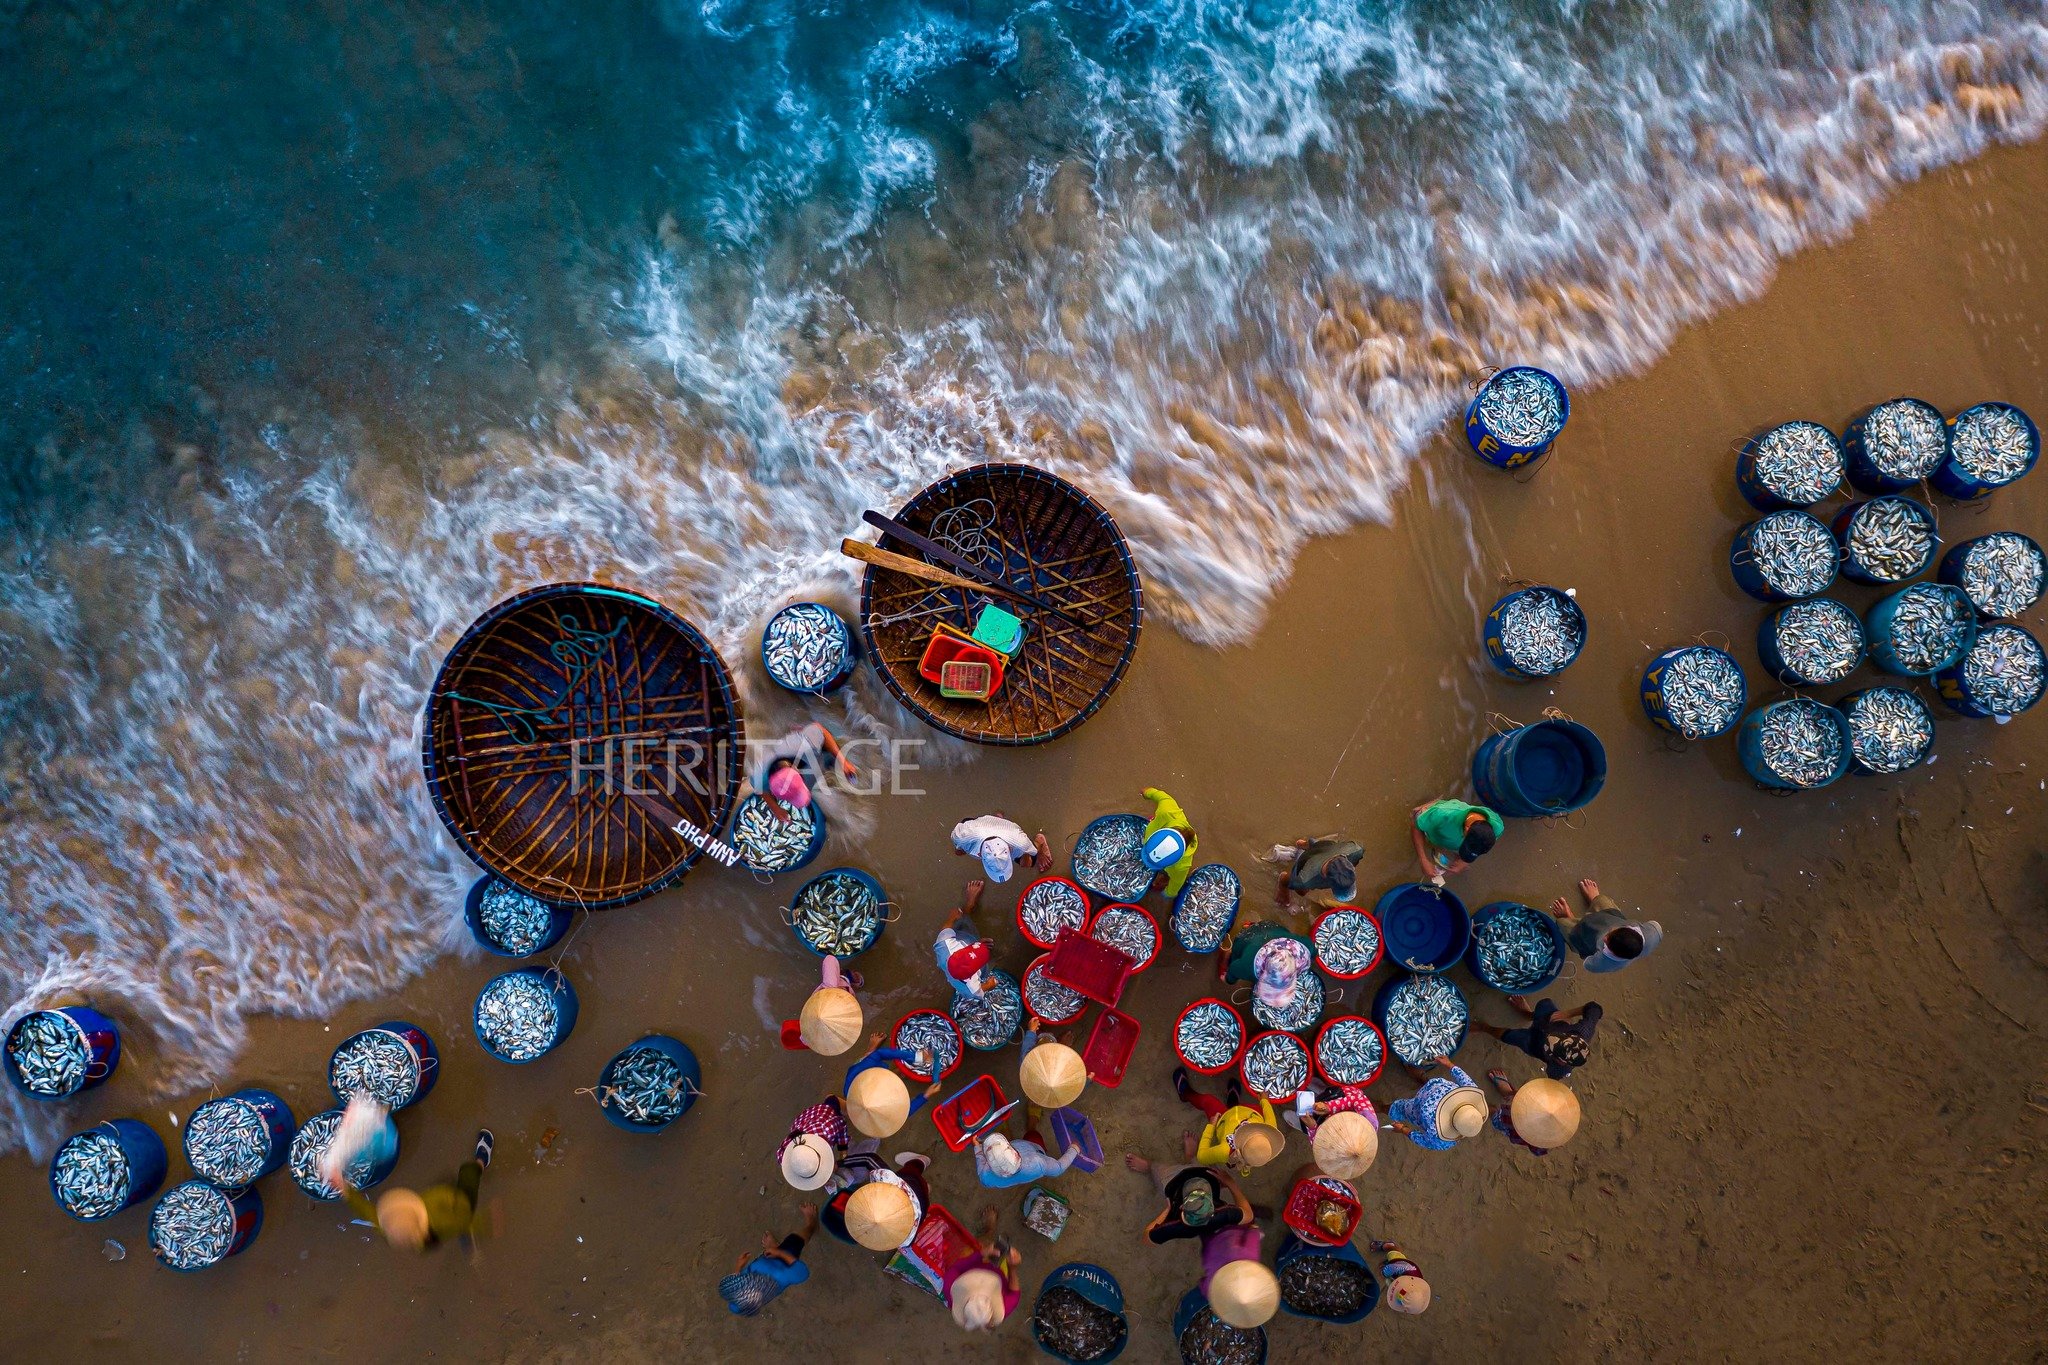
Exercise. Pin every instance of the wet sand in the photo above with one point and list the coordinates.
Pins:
(1811, 1119)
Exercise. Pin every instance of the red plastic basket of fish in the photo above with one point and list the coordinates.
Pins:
(1049, 1000)
(959, 1045)
(1309, 1198)
(1110, 1045)
(1247, 1058)
(1236, 1019)
(1338, 940)
(1096, 970)
(1316, 1053)
(1127, 928)
(1049, 905)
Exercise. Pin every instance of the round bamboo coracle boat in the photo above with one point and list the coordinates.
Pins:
(531, 725)
(1037, 533)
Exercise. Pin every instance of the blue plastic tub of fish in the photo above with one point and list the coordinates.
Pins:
(1864, 566)
(1881, 627)
(1384, 996)
(561, 997)
(1990, 445)
(141, 1150)
(1539, 927)
(621, 1100)
(1797, 577)
(1553, 767)
(807, 648)
(751, 812)
(1096, 1286)
(369, 1168)
(1870, 755)
(1796, 670)
(1512, 420)
(1691, 713)
(1868, 472)
(87, 1049)
(1810, 768)
(413, 1046)
(275, 1116)
(558, 920)
(1423, 928)
(1293, 1251)
(245, 1206)
(1191, 1305)
(1573, 633)
(857, 945)
(1209, 882)
(1119, 881)
(2020, 664)
(1810, 438)
(2000, 596)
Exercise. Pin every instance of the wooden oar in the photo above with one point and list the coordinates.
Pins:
(917, 568)
(926, 546)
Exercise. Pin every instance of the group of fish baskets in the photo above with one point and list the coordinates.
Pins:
(1956, 630)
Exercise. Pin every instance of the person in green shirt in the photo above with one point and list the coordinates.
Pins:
(422, 1220)
(1167, 814)
(1450, 836)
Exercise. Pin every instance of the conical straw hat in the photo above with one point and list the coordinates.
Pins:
(1053, 1075)
(879, 1216)
(1545, 1113)
(831, 1021)
(879, 1102)
(1245, 1294)
(1257, 1143)
(1346, 1144)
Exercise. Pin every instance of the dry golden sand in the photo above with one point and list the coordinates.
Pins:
(1813, 1120)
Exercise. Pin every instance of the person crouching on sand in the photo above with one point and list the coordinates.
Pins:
(1450, 836)
(1002, 845)
(761, 1276)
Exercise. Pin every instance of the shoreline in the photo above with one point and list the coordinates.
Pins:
(1700, 1161)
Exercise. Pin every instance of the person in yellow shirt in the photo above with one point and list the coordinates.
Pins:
(1167, 815)
(1236, 1133)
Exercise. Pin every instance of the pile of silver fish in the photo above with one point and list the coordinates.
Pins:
(1068, 1327)
(1890, 729)
(1052, 1002)
(1127, 929)
(1049, 906)
(1905, 439)
(1794, 553)
(766, 842)
(2003, 573)
(1929, 625)
(49, 1053)
(1305, 1009)
(516, 1015)
(836, 914)
(517, 922)
(227, 1142)
(1275, 1065)
(1208, 1035)
(928, 1032)
(379, 1063)
(1209, 1340)
(990, 1020)
(1991, 443)
(1540, 632)
(1206, 906)
(1799, 462)
(309, 1152)
(1820, 640)
(90, 1175)
(644, 1085)
(1109, 858)
(1347, 942)
(1522, 407)
(1349, 1050)
(1703, 691)
(1425, 1019)
(1801, 742)
(2004, 670)
(1324, 1286)
(804, 646)
(1517, 950)
(192, 1227)
(1891, 538)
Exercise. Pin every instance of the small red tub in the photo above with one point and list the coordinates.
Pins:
(1073, 886)
(1188, 1062)
(1315, 1053)
(1315, 938)
(1036, 1002)
(1123, 910)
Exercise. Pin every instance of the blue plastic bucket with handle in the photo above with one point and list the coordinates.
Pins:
(141, 1148)
(565, 1010)
(99, 1035)
(1749, 575)
(1750, 483)
(1953, 686)
(1423, 928)
(426, 1059)
(278, 1125)
(1293, 1249)
(874, 888)
(1862, 570)
(1485, 915)
(1878, 629)
(849, 641)
(559, 918)
(1959, 483)
(1863, 471)
(1749, 744)
(1499, 451)
(1496, 652)
(1951, 568)
(1382, 997)
(1652, 691)
(1553, 767)
(1771, 654)
(1098, 1287)
(1191, 1305)
(692, 1081)
(247, 1206)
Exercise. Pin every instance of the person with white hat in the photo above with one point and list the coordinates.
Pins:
(1407, 1291)
(1168, 847)
(831, 1019)
(982, 1287)
(1541, 1115)
(1244, 1292)
(1002, 845)
(1443, 1111)
(761, 1276)
(816, 1138)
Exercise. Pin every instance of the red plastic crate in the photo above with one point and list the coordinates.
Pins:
(943, 649)
(963, 1116)
(1157, 940)
(941, 1239)
(1096, 970)
(1110, 1045)
(1300, 1214)
(1080, 1006)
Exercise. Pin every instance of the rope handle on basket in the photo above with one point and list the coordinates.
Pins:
(601, 1093)
(888, 918)
(1527, 474)
(1495, 721)
(1555, 713)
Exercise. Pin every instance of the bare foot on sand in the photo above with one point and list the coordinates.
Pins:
(1044, 852)
(1590, 889)
(1561, 908)
(970, 896)
(1134, 1162)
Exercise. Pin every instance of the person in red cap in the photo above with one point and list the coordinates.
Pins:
(779, 767)
(960, 951)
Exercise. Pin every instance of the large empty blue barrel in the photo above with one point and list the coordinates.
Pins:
(1423, 928)
(1549, 768)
